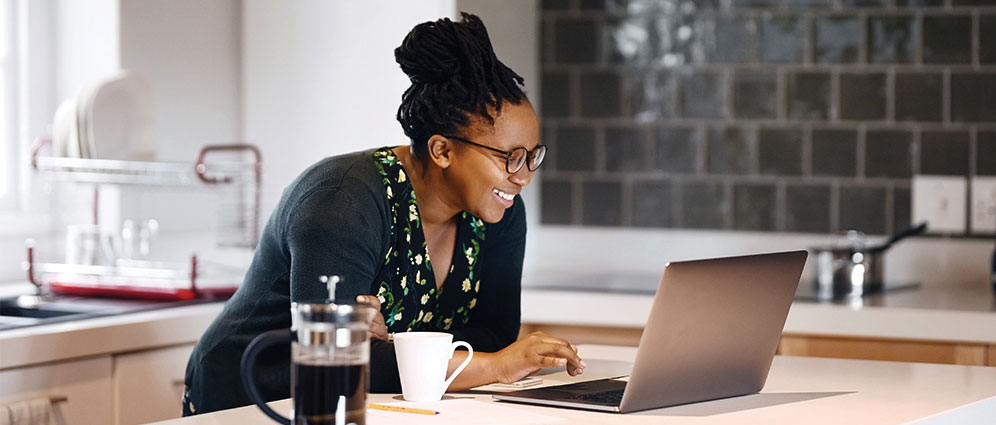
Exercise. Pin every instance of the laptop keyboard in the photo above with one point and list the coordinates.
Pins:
(612, 397)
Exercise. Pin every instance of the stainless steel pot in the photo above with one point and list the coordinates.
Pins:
(851, 268)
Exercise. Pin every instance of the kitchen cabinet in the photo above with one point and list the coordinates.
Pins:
(81, 388)
(844, 347)
(971, 354)
(148, 385)
(604, 335)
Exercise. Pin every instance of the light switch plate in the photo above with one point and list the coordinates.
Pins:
(983, 212)
(941, 202)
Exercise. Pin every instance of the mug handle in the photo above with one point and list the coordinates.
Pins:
(248, 366)
(470, 355)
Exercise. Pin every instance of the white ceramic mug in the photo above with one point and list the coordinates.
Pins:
(422, 361)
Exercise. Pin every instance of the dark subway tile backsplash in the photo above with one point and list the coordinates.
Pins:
(736, 40)
(677, 150)
(780, 151)
(944, 152)
(653, 203)
(973, 97)
(919, 97)
(836, 39)
(863, 208)
(808, 95)
(576, 41)
(888, 153)
(556, 94)
(600, 93)
(947, 39)
(556, 201)
(987, 39)
(834, 152)
(862, 97)
(891, 39)
(625, 149)
(754, 207)
(702, 95)
(806, 209)
(985, 154)
(704, 205)
(755, 95)
(575, 148)
(782, 39)
(761, 115)
(728, 150)
(602, 203)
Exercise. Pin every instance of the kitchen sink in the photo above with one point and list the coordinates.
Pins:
(32, 310)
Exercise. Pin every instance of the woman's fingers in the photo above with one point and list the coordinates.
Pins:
(378, 328)
(563, 351)
(546, 361)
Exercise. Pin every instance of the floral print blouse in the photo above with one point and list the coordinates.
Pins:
(406, 286)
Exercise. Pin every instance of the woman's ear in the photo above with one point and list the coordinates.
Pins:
(440, 151)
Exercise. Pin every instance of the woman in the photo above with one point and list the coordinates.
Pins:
(431, 234)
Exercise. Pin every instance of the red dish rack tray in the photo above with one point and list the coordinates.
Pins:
(157, 280)
(154, 280)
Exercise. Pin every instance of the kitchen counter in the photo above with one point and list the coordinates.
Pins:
(932, 313)
(916, 314)
(798, 389)
(937, 313)
(104, 335)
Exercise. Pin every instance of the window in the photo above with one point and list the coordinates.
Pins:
(9, 149)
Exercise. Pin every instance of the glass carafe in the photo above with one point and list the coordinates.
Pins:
(330, 358)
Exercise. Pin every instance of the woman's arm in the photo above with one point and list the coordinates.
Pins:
(519, 360)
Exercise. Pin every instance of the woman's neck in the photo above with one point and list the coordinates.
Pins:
(434, 210)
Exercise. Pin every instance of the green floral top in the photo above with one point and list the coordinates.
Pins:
(406, 285)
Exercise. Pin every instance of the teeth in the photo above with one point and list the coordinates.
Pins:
(503, 195)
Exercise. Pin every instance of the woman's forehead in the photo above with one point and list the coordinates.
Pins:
(516, 126)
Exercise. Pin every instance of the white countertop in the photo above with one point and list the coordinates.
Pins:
(103, 335)
(934, 313)
(798, 390)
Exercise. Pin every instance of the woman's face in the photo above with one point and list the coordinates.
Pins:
(481, 182)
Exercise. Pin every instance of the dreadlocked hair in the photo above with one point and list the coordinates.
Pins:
(455, 75)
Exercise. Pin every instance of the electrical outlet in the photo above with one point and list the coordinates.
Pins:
(983, 205)
(941, 202)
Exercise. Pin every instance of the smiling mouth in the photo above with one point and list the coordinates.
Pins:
(503, 195)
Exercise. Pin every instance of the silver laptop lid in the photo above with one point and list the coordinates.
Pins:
(713, 329)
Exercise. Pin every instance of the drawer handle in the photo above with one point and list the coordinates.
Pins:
(56, 399)
(178, 383)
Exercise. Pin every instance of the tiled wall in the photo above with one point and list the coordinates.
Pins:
(765, 115)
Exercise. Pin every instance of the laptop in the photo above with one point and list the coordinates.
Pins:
(712, 333)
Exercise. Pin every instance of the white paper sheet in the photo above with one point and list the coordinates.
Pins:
(457, 411)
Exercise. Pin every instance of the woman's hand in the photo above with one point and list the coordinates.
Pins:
(532, 353)
(377, 327)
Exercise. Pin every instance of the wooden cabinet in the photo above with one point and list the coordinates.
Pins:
(148, 385)
(974, 354)
(81, 388)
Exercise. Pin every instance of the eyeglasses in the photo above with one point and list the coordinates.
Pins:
(515, 159)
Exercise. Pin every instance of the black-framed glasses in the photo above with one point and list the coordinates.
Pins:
(516, 158)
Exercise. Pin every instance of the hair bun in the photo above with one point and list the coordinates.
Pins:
(432, 52)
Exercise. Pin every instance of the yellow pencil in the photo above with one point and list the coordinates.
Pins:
(402, 409)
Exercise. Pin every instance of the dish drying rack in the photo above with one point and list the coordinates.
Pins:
(238, 227)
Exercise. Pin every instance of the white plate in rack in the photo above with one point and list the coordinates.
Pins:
(117, 119)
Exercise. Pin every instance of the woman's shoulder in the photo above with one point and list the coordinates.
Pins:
(352, 174)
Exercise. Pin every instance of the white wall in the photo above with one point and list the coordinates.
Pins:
(320, 79)
(191, 53)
